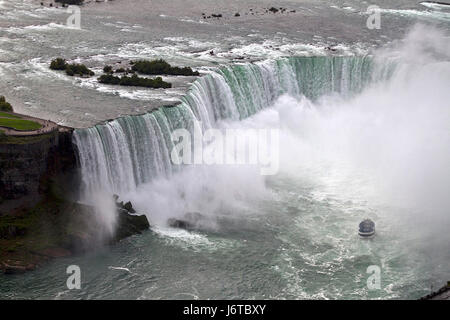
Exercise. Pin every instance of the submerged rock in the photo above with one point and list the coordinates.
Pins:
(441, 294)
(188, 222)
(11, 231)
(11, 269)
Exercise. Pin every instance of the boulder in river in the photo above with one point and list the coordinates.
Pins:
(129, 224)
(188, 222)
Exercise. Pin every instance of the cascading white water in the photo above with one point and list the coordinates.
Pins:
(119, 155)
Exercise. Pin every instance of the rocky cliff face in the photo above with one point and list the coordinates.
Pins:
(26, 163)
(39, 219)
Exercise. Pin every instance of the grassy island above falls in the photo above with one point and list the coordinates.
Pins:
(71, 69)
(145, 67)
(161, 67)
(134, 80)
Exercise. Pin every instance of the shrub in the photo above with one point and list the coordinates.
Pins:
(4, 105)
(134, 80)
(78, 69)
(160, 66)
(71, 69)
(70, 1)
(107, 69)
(109, 79)
(58, 64)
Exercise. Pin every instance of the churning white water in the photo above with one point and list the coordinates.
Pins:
(395, 132)
(359, 137)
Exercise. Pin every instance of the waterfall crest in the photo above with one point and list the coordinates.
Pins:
(121, 154)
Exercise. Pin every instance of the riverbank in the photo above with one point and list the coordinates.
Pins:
(39, 217)
(24, 125)
(56, 228)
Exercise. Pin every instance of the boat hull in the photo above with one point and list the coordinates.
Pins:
(366, 234)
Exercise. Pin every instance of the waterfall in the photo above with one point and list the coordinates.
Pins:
(119, 155)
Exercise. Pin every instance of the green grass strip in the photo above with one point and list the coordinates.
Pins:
(8, 115)
(19, 124)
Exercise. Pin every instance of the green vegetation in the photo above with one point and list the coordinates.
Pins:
(8, 115)
(3, 138)
(26, 235)
(19, 124)
(77, 2)
(134, 80)
(159, 67)
(71, 69)
(13, 121)
(78, 69)
(122, 70)
(56, 227)
(24, 139)
(107, 69)
(5, 106)
(58, 64)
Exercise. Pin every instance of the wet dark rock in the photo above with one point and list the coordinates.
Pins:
(129, 207)
(81, 238)
(237, 14)
(30, 267)
(441, 294)
(80, 241)
(188, 222)
(56, 252)
(12, 269)
(11, 231)
(125, 206)
(128, 225)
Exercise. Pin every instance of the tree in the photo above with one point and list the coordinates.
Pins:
(4, 105)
